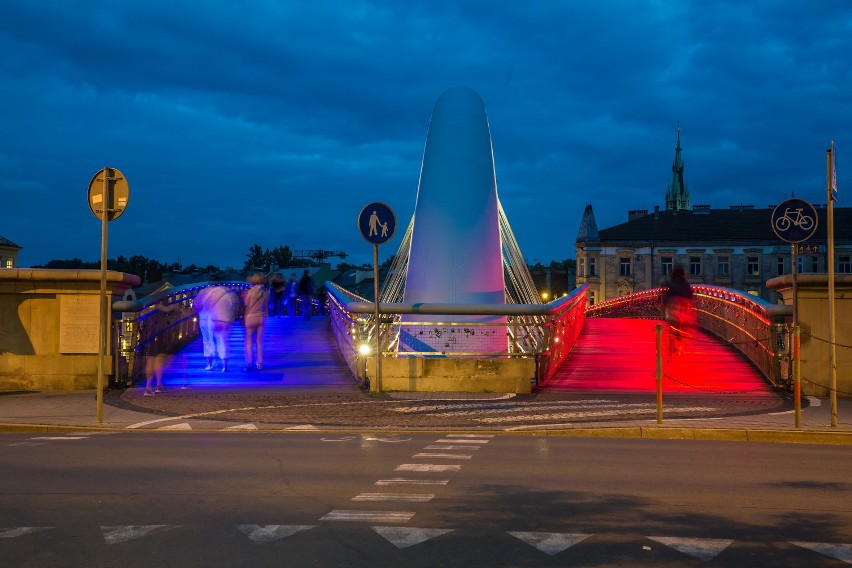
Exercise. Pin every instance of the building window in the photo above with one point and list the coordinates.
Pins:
(694, 265)
(723, 266)
(591, 297)
(800, 264)
(8, 263)
(581, 266)
(814, 264)
(779, 266)
(844, 264)
(753, 266)
(593, 266)
(666, 265)
(624, 266)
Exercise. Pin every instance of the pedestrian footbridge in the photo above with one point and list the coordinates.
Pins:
(615, 346)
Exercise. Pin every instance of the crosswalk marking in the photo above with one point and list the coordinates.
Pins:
(404, 481)
(550, 543)
(443, 446)
(369, 516)
(261, 534)
(462, 441)
(705, 549)
(438, 455)
(403, 537)
(117, 534)
(839, 551)
(427, 467)
(20, 531)
(469, 436)
(398, 497)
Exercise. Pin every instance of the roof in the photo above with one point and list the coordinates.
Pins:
(4, 242)
(736, 225)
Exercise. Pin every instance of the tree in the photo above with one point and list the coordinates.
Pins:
(256, 258)
(281, 256)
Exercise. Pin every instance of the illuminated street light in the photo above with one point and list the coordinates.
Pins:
(364, 349)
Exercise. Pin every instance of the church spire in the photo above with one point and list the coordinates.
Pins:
(677, 196)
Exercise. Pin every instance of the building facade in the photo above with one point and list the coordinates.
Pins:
(735, 247)
(8, 253)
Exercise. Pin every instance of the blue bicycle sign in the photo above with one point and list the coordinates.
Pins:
(794, 220)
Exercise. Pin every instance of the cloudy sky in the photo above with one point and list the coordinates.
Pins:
(275, 122)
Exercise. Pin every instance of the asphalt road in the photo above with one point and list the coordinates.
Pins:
(250, 499)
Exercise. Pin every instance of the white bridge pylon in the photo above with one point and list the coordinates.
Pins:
(457, 246)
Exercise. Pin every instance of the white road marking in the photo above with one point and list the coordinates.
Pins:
(470, 436)
(705, 549)
(369, 516)
(20, 531)
(181, 426)
(841, 552)
(397, 497)
(550, 543)
(248, 426)
(485, 407)
(262, 534)
(403, 537)
(437, 447)
(426, 467)
(461, 441)
(404, 481)
(60, 438)
(447, 456)
(117, 534)
(814, 401)
(303, 427)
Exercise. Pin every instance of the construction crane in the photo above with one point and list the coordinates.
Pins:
(318, 255)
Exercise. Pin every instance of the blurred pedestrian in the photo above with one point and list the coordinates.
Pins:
(256, 302)
(306, 291)
(290, 293)
(223, 310)
(276, 287)
(205, 325)
(679, 309)
(154, 363)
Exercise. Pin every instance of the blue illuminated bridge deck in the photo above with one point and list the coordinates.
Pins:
(611, 355)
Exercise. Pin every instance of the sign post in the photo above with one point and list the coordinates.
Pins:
(795, 221)
(831, 190)
(108, 196)
(377, 224)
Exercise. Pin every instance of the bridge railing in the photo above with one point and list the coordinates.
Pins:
(744, 321)
(545, 332)
(144, 331)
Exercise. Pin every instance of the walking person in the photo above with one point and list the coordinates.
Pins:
(679, 310)
(223, 305)
(205, 325)
(256, 300)
(306, 291)
(154, 363)
(276, 286)
(290, 293)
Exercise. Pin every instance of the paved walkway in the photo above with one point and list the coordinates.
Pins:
(280, 408)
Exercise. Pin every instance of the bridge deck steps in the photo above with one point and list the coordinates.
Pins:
(619, 355)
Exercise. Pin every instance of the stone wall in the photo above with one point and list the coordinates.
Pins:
(47, 318)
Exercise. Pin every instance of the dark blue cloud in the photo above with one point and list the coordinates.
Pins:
(275, 122)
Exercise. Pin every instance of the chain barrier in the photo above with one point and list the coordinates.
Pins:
(836, 344)
(829, 389)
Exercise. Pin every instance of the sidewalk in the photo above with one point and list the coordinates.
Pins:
(349, 409)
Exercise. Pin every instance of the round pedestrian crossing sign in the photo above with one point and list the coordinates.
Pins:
(377, 223)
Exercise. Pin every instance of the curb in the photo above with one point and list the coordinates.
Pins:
(641, 432)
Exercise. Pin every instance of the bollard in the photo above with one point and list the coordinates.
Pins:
(659, 374)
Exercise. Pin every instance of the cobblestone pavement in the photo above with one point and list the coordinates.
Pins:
(355, 408)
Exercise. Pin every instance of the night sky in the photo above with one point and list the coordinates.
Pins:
(275, 122)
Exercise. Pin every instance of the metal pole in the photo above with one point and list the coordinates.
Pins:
(659, 373)
(797, 377)
(103, 304)
(378, 326)
(797, 368)
(832, 354)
